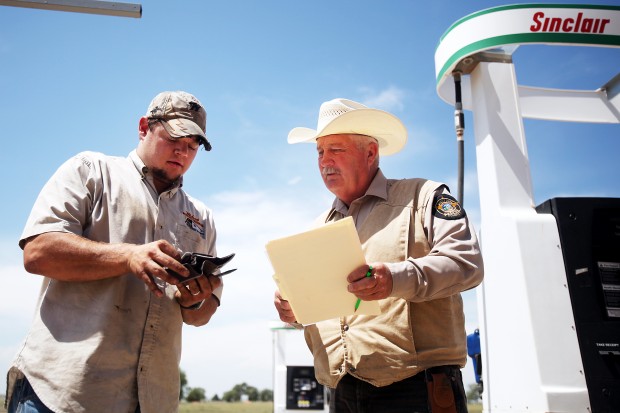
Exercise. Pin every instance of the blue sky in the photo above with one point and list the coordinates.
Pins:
(71, 82)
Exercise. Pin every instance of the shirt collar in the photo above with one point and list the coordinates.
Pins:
(143, 170)
(377, 187)
(140, 166)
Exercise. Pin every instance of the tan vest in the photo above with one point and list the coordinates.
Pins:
(407, 337)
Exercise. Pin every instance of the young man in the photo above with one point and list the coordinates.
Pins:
(421, 253)
(106, 336)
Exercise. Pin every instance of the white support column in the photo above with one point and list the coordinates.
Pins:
(289, 349)
(531, 359)
(279, 370)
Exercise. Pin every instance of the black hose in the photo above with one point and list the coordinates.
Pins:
(459, 125)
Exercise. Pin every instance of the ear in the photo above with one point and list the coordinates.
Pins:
(372, 151)
(143, 127)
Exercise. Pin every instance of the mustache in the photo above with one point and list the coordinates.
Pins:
(328, 170)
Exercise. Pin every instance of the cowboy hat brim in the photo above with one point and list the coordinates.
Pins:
(383, 126)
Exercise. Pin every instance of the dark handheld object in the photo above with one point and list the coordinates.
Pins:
(201, 264)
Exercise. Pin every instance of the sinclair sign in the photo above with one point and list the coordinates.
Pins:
(582, 23)
(570, 24)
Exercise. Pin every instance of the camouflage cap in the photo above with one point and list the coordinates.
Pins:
(181, 115)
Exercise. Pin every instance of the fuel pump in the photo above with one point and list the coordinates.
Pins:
(549, 304)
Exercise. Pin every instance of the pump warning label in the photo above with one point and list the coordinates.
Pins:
(610, 281)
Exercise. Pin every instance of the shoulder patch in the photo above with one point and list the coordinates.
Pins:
(446, 207)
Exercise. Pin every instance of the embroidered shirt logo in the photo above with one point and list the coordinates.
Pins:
(447, 207)
(194, 223)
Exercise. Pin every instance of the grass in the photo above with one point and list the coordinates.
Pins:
(224, 407)
(211, 407)
(254, 407)
(474, 408)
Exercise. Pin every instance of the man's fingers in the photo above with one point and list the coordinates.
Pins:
(191, 291)
(150, 283)
(286, 315)
(197, 289)
(168, 258)
(169, 249)
(363, 285)
(374, 287)
(285, 311)
(207, 283)
(152, 260)
(167, 262)
(359, 273)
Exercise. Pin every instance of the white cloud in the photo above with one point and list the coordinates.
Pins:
(17, 302)
(390, 99)
(294, 180)
(20, 294)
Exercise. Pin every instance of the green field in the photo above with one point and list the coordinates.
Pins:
(212, 407)
(224, 407)
(258, 407)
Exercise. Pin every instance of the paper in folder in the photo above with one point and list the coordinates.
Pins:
(311, 270)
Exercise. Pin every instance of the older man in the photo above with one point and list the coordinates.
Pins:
(104, 232)
(421, 252)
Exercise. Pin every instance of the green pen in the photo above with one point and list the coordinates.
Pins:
(368, 274)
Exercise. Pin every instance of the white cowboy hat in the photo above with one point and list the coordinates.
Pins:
(343, 116)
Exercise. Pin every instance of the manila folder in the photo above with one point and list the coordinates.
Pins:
(311, 270)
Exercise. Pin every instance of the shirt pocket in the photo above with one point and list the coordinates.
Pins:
(187, 239)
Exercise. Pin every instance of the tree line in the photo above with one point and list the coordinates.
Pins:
(198, 394)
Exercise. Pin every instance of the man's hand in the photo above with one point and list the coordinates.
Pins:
(284, 308)
(150, 261)
(376, 287)
(196, 290)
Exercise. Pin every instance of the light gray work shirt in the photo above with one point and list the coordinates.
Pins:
(105, 345)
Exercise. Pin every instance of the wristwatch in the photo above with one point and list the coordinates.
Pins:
(194, 306)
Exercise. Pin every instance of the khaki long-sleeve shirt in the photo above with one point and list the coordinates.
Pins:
(432, 251)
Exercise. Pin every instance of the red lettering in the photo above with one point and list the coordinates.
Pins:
(537, 16)
(603, 24)
(579, 17)
(555, 24)
(567, 26)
